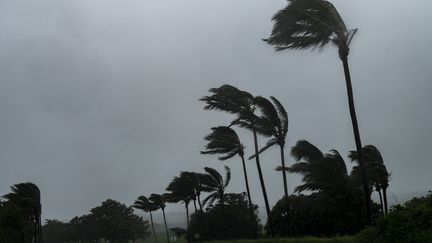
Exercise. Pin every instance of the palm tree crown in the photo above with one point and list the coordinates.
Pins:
(307, 24)
(215, 184)
(224, 140)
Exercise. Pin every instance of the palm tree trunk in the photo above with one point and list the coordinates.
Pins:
(194, 201)
(262, 182)
(381, 200)
(359, 147)
(385, 200)
(152, 225)
(199, 202)
(246, 180)
(187, 221)
(166, 227)
(283, 170)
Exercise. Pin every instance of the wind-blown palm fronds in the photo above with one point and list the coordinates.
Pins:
(27, 197)
(305, 24)
(145, 205)
(224, 140)
(274, 121)
(377, 173)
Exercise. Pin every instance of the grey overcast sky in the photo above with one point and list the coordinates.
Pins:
(99, 98)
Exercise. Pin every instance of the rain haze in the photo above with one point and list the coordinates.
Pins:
(99, 99)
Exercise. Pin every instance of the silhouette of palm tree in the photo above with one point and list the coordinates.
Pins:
(181, 189)
(229, 99)
(224, 140)
(216, 185)
(305, 24)
(159, 201)
(144, 204)
(27, 197)
(377, 173)
(276, 118)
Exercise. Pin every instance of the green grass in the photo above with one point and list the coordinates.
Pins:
(339, 239)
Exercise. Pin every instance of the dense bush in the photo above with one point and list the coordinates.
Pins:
(235, 220)
(411, 222)
(317, 214)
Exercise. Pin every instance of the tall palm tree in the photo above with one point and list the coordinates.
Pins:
(305, 24)
(376, 171)
(229, 99)
(26, 196)
(159, 202)
(144, 204)
(181, 189)
(224, 140)
(276, 117)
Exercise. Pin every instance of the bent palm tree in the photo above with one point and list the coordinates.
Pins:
(276, 117)
(224, 140)
(376, 171)
(229, 99)
(26, 196)
(305, 24)
(144, 204)
(181, 190)
(159, 202)
(215, 184)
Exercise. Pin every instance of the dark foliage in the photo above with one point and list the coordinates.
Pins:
(411, 222)
(242, 223)
(315, 214)
(20, 214)
(112, 221)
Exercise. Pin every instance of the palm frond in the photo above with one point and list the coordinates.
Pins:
(227, 176)
(305, 24)
(269, 144)
(305, 150)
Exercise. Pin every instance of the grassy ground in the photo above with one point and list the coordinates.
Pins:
(340, 239)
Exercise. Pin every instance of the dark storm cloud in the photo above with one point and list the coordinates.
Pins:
(98, 99)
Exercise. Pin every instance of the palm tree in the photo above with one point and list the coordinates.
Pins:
(321, 172)
(216, 185)
(376, 171)
(275, 115)
(224, 140)
(229, 99)
(159, 202)
(305, 24)
(181, 189)
(144, 204)
(326, 175)
(195, 179)
(26, 196)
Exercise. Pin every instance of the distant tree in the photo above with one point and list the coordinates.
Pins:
(117, 223)
(305, 24)
(159, 201)
(145, 205)
(229, 99)
(275, 115)
(56, 231)
(26, 198)
(224, 140)
(242, 223)
(376, 171)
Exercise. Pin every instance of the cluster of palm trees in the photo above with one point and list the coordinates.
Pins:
(186, 188)
(24, 199)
